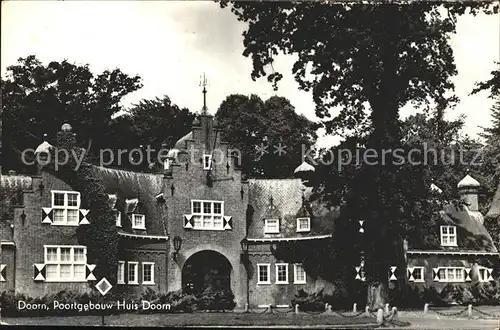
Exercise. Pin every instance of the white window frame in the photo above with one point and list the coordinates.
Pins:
(58, 263)
(152, 264)
(212, 216)
(270, 230)
(451, 238)
(65, 208)
(479, 277)
(135, 265)
(303, 230)
(134, 216)
(447, 280)
(166, 164)
(268, 267)
(422, 279)
(296, 267)
(120, 278)
(207, 157)
(118, 218)
(277, 266)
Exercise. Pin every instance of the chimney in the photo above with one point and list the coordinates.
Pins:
(468, 189)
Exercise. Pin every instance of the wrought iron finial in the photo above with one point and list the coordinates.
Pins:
(204, 84)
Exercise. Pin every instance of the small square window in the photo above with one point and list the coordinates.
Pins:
(58, 199)
(72, 200)
(418, 274)
(138, 221)
(303, 224)
(448, 236)
(196, 207)
(271, 226)
(218, 208)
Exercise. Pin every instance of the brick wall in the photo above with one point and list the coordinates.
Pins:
(191, 183)
(31, 236)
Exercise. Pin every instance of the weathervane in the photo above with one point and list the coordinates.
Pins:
(204, 84)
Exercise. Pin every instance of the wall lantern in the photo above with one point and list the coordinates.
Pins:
(177, 247)
(23, 218)
(41, 187)
(244, 245)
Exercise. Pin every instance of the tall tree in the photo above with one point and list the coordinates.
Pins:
(156, 123)
(270, 135)
(38, 99)
(381, 55)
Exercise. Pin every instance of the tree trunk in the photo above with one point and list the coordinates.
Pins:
(377, 295)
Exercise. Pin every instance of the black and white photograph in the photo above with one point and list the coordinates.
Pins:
(236, 164)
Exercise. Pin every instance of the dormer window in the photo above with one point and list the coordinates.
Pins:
(303, 224)
(271, 226)
(448, 236)
(207, 162)
(138, 221)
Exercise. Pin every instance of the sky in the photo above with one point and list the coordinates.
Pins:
(171, 44)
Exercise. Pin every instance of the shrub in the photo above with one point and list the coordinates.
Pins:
(309, 302)
(216, 299)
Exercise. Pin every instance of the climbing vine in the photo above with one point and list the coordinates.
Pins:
(100, 236)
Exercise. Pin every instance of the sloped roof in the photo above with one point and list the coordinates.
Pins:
(473, 235)
(133, 186)
(287, 201)
(181, 143)
(468, 181)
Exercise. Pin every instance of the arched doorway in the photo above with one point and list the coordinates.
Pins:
(204, 269)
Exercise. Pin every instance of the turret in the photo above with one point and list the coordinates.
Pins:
(468, 189)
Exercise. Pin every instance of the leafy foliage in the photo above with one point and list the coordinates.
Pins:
(216, 299)
(38, 99)
(250, 123)
(100, 236)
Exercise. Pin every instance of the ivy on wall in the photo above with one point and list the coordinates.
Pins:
(100, 236)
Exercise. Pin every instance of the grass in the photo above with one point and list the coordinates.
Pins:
(197, 319)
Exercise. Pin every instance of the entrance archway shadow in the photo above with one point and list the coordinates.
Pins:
(204, 269)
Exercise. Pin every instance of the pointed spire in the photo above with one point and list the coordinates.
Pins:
(204, 84)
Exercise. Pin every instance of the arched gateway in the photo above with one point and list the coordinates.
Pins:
(206, 269)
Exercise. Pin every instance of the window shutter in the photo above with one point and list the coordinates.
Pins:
(410, 274)
(2, 273)
(467, 274)
(83, 217)
(188, 221)
(435, 274)
(89, 275)
(39, 272)
(489, 273)
(47, 214)
(392, 273)
(228, 222)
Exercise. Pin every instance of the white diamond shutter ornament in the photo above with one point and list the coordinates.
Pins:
(358, 275)
(39, 272)
(89, 275)
(489, 274)
(228, 222)
(188, 221)
(47, 214)
(435, 274)
(392, 276)
(103, 286)
(2, 273)
(467, 274)
(361, 228)
(83, 217)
